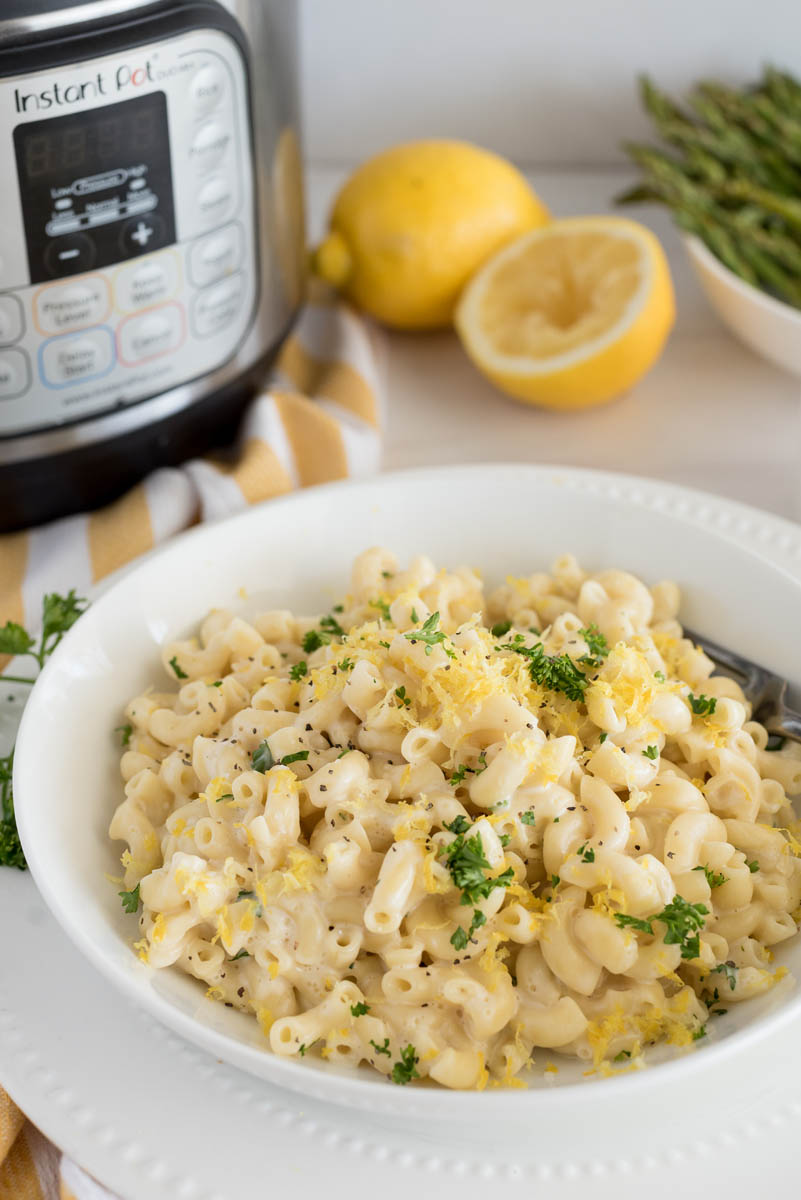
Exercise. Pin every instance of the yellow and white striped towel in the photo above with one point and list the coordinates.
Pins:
(318, 419)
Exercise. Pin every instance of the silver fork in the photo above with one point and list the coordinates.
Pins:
(765, 691)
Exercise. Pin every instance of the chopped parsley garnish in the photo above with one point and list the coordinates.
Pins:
(384, 644)
(555, 881)
(14, 639)
(240, 954)
(246, 896)
(299, 670)
(383, 608)
(384, 575)
(405, 701)
(313, 639)
(596, 644)
(460, 939)
(347, 664)
(227, 796)
(659, 676)
(338, 608)
(729, 970)
(461, 772)
(467, 864)
(505, 839)
(430, 636)
(298, 756)
(603, 737)
(702, 706)
(406, 1070)
(699, 1033)
(414, 615)
(586, 854)
(130, 900)
(752, 866)
(682, 921)
(459, 824)
(263, 757)
(125, 732)
(381, 1049)
(651, 752)
(304, 1047)
(217, 683)
(714, 879)
(622, 1055)
(558, 673)
(358, 1010)
(501, 628)
(176, 666)
(528, 817)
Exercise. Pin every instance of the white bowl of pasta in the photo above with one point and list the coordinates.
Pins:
(397, 835)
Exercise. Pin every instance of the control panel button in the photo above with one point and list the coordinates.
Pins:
(159, 331)
(140, 234)
(216, 255)
(207, 88)
(209, 145)
(146, 282)
(60, 307)
(215, 307)
(12, 322)
(71, 254)
(77, 358)
(214, 201)
(15, 374)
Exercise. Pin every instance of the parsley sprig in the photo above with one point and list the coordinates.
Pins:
(130, 900)
(682, 922)
(597, 646)
(405, 1070)
(430, 636)
(59, 613)
(330, 628)
(460, 938)
(557, 673)
(715, 879)
(468, 864)
(702, 706)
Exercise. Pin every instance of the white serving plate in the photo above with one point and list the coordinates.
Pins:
(296, 552)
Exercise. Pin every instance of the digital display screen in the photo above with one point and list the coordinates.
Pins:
(96, 186)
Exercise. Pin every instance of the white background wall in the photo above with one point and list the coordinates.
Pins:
(543, 81)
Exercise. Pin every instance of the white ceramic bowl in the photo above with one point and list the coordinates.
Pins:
(296, 552)
(767, 326)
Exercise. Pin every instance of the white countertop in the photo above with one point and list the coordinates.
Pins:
(710, 415)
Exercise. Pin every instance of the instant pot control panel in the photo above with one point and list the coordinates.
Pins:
(128, 257)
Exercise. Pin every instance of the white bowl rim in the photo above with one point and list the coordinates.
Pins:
(751, 294)
(364, 1091)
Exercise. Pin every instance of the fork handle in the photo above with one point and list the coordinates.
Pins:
(785, 723)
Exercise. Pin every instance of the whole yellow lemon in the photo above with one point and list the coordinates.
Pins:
(414, 223)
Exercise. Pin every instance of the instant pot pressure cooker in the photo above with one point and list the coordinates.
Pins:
(151, 235)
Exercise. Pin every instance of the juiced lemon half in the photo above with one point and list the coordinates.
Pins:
(571, 314)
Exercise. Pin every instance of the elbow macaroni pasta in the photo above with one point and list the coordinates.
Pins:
(415, 851)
